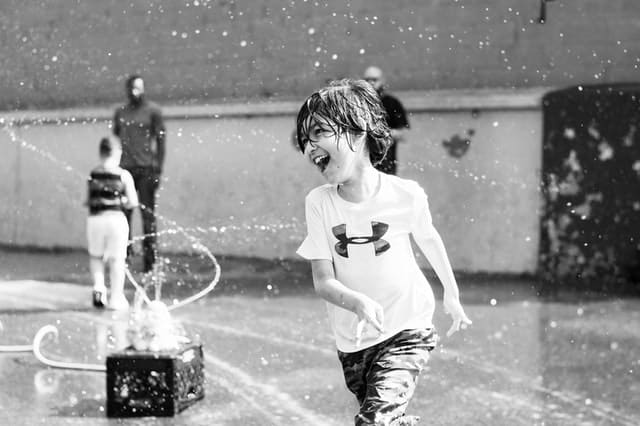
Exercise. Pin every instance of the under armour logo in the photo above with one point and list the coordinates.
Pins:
(380, 245)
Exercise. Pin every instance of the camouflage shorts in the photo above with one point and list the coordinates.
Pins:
(384, 376)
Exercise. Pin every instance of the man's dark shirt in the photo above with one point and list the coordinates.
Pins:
(141, 131)
(396, 119)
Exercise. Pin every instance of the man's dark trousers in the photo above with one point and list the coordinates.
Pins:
(147, 180)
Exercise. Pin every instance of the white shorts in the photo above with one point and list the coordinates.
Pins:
(108, 235)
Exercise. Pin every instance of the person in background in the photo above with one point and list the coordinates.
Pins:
(111, 191)
(140, 127)
(396, 118)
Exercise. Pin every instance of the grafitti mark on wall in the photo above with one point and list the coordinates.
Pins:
(458, 146)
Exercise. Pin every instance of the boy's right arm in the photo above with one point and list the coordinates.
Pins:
(336, 293)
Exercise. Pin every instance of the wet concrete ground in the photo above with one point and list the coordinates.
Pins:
(269, 355)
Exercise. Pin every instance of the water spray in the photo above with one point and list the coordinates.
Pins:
(159, 308)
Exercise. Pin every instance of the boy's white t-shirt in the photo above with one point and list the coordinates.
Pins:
(370, 247)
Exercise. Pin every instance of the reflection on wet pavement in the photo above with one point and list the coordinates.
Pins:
(269, 360)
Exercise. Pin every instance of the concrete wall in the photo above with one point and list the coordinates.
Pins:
(66, 53)
(234, 179)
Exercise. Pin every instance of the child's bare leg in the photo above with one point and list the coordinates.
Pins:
(96, 266)
(118, 301)
(405, 421)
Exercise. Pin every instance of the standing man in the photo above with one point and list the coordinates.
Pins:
(396, 118)
(140, 127)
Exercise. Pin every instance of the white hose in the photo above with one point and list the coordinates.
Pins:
(14, 348)
(37, 340)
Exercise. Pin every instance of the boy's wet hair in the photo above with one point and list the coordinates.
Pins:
(343, 106)
(108, 144)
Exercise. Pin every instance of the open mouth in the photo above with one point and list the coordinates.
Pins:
(321, 161)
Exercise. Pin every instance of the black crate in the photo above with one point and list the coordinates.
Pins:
(141, 383)
(590, 224)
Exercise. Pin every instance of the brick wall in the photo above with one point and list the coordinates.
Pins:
(69, 53)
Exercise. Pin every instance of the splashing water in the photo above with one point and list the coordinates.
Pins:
(194, 242)
(158, 275)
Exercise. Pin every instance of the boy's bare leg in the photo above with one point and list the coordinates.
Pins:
(117, 301)
(405, 421)
(96, 266)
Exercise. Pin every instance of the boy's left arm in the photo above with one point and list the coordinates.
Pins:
(130, 193)
(433, 248)
(160, 132)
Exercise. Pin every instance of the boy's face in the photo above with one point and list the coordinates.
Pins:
(331, 153)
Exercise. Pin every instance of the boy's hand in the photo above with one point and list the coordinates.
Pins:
(369, 312)
(453, 307)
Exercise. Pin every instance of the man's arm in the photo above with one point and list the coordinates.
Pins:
(159, 131)
(115, 126)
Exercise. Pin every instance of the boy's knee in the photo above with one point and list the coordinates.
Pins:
(116, 262)
(388, 398)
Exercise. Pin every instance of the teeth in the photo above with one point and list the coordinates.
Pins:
(319, 159)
